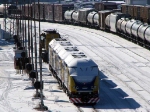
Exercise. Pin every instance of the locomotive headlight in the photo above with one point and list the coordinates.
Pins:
(77, 87)
(93, 87)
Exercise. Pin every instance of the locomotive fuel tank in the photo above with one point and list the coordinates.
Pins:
(90, 17)
(68, 15)
(129, 25)
(141, 31)
(135, 27)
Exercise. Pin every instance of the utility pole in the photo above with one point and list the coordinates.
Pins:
(42, 106)
(7, 23)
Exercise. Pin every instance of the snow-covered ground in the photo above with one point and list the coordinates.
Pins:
(124, 72)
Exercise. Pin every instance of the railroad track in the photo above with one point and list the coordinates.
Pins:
(6, 83)
(113, 65)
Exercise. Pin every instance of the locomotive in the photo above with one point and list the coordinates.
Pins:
(46, 37)
(77, 74)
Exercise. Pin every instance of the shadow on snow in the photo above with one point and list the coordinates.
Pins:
(112, 97)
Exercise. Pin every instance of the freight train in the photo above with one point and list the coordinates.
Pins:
(103, 15)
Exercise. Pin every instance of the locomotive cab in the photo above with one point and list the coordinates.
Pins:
(83, 79)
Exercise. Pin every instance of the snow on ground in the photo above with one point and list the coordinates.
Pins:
(124, 72)
(16, 90)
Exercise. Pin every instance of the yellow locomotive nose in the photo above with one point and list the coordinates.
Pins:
(72, 85)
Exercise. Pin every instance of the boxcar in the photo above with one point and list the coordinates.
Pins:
(127, 9)
(131, 10)
(105, 6)
(137, 11)
(145, 14)
(59, 10)
(83, 13)
(35, 11)
(28, 11)
(49, 12)
(102, 15)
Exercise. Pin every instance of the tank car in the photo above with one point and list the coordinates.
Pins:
(68, 16)
(46, 37)
(147, 35)
(113, 18)
(91, 17)
(78, 74)
(121, 26)
(83, 13)
(141, 33)
(96, 20)
(129, 27)
(75, 17)
(134, 30)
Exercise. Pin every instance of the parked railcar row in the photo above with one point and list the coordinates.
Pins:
(92, 17)
(131, 29)
(138, 12)
(55, 11)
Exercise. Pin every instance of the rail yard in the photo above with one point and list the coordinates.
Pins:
(82, 57)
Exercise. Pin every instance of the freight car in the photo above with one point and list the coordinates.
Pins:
(46, 37)
(131, 29)
(76, 73)
(138, 12)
